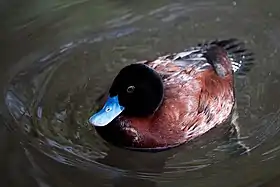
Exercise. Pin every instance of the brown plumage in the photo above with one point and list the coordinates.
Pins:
(198, 95)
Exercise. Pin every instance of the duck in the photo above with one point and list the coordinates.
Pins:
(162, 103)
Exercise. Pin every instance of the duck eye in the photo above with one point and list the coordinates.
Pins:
(130, 89)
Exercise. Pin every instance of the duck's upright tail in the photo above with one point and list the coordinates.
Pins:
(241, 58)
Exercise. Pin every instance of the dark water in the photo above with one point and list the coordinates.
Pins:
(58, 56)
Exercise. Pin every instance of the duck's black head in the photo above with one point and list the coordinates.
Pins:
(136, 91)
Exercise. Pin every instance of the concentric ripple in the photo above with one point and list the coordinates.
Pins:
(50, 102)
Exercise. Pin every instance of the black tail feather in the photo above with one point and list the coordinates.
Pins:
(241, 58)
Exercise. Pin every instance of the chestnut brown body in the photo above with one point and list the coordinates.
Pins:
(198, 95)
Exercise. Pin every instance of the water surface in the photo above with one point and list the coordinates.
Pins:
(58, 57)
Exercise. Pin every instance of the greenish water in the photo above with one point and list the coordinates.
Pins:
(58, 56)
